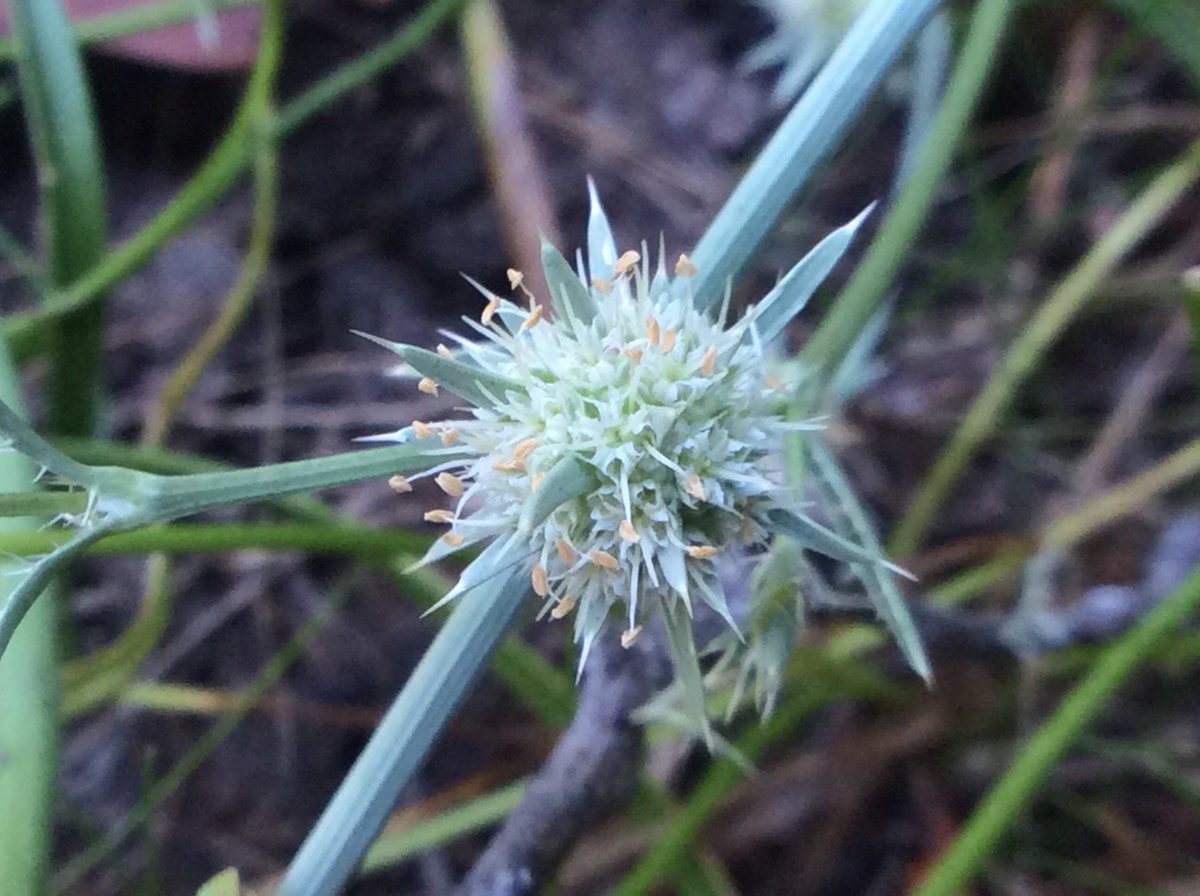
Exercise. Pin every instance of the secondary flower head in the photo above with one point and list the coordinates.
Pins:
(619, 446)
(806, 34)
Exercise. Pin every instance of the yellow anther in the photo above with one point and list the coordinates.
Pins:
(444, 352)
(709, 360)
(428, 386)
(702, 551)
(399, 484)
(450, 484)
(508, 465)
(453, 539)
(564, 606)
(668, 341)
(536, 480)
(523, 449)
(449, 436)
(694, 486)
(773, 382)
(651, 330)
(566, 553)
(423, 430)
(626, 263)
(535, 315)
(628, 532)
(604, 559)
(684, 267)
(439, 516)
(634, 354)
(601, 285)
(629, 638)
(541, 584)
(490, 309)
(515, 278)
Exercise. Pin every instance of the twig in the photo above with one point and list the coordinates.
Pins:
(591, 772)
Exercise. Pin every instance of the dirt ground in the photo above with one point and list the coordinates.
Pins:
(384, 201)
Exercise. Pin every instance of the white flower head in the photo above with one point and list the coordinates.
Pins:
(620, 445)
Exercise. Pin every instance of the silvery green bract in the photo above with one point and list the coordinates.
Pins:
(618, 450)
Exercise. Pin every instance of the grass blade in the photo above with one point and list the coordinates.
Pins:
(808, 133)
(1003, 806)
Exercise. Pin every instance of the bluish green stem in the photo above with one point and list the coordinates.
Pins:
(449, 667)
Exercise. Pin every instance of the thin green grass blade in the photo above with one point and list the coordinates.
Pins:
(468, 817)
(1053, 315)
(226, 883)
(810, 131)
(58, 109)
(1020, 785)
(1174, 23)
(682, 646)
(353, 818)
(875, 273)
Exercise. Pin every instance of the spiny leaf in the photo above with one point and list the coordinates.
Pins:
(815, 537)
(570, 296)
(477, 386)
(567, 479)
(792, 293)
(682, 645)
(602, 248)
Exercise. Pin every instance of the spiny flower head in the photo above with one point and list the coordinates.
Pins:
(806, 34)
(620, 446)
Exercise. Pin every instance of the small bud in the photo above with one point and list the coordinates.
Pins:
(423, 430)
(444, 352)
(628, 532)
(626, 263)
(629, 638)
(604, 559)
(540, 583)
(439, 516)
(399, 484)
(453, 539)
(694, 486)
(702, 551)
(428, 386)
(508, 465)
(565, 552)
(450, 484)
(564, 606)
(515, 278)
(709, 361)
(684, 266)
(668, 341)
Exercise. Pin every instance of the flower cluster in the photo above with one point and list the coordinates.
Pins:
(619, 441)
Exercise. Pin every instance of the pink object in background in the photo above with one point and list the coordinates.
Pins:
(233, 43)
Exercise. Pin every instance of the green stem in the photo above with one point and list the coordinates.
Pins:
(354, 816)
(58, 109)
(1052, 317)
(875, 274)
(1005, 803)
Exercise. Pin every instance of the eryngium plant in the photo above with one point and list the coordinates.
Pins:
(619, 448)
(806, 34)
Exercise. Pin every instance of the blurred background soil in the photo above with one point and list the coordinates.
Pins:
(384, 201)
